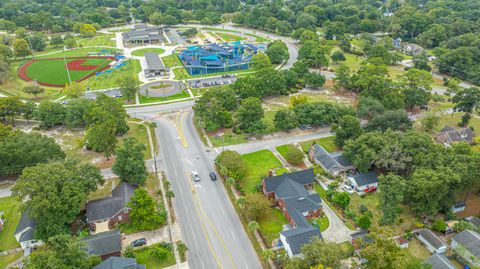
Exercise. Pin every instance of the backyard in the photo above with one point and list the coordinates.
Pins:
(11, 210)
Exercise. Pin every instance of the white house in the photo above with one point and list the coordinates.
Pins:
(467, 246)
(431, 241)
(367, 182)
(24, 232)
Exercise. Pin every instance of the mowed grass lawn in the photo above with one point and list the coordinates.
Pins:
(150, 99)
(141, 52)
(6, 260)
(258, 164)
(144, 256)
(328, 143)
(171, 60)
(229, 37)
(11, 209)
(54, 71)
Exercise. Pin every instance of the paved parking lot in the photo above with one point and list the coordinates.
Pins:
(212, 81)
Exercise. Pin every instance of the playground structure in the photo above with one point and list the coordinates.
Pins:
(216, 58)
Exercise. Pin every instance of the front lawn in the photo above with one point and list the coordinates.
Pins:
(150, 99)
(105, 190)
(321, 223)
(228, 138)
(271, 223)
(139, 132)
(146, 256)
(328, 143)
(100, 40)
(11, 210)
(6, 260)
(141, 52)
(258, 165)
(455, 119)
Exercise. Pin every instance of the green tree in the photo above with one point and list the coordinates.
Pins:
(338, 56)
(395, 120)
(364, 221)
(56, 191)
(267, 254)
(62, 251)
(260, 61)
(319, 252)
(348, 127)
(342, 199)
(342, 77)
(293, 155)
(392, 189)
(468, 101)
(314, 79)
(87, 30)
(420, 62)
(416, 87)
(129, 164)
(37, 42)
(77, 111)
(430, 121)
(50, 114)
(384, 253)
(56, 41)
(256, 205)
(129, 87)
(285, 119)
(230, 164)
(277, 52)
(28, 110)
(70, 43)
(249, 112)
(253, 226)
(10, 107)
(143, 213)
(73, 90)
(102, 137)
(21, 48)
(33, 88)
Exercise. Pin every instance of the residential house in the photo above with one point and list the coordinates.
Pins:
(120, 263)
(155, 66)
(105, 245)
(363, 183)
(412, 49)
(143, 34)
(103, 214)
(449, 135)
(432, 242)
(294, 195)
(25, 232)
(332, 163)
(402, 242)
(467, 246)
(474, 220)
(439, 261)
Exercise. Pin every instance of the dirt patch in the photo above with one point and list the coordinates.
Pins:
(472, 205)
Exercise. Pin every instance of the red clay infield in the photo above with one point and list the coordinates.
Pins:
(73, 65)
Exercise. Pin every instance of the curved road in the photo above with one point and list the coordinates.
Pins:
(210, 226)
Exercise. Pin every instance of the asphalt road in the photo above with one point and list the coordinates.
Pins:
(210, 226)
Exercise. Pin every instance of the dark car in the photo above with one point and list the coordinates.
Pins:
(139, 242)
(213, 176)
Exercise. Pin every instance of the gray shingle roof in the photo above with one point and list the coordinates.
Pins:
(431, 238)
(331, 162)
(143, 31)
(153, 61)
(439, 261)
(296, 238)
(103, 243)
(119, 263)
(108, 207)
(27, 226)
(473, 220)
(449, 135)
(302, 177)
(469, 240)
(365, 179)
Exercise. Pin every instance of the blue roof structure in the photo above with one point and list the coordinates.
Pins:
(215, 58)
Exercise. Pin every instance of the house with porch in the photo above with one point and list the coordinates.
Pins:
(294, 194)
(103, 214)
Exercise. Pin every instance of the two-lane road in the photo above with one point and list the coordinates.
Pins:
(210, 226)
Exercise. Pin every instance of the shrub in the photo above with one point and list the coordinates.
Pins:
(364, 221)
(294, 155)
(439, 226)
(159, 252)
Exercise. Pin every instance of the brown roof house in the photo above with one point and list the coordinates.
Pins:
(449, 135)
(103, 214)
(294, 195)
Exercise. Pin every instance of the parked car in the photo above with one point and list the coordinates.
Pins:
(213, 176)
(347, 189)
(195, 176)
(139, 242)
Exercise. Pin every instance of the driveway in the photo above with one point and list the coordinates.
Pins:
(154, 237)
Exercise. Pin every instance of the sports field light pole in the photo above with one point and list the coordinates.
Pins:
(66, 66)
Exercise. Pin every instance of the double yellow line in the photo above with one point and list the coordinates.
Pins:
(202, 216)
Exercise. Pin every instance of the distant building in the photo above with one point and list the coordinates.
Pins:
(467, 246)
(25, 232)
(439, 261)
(401, 242)
(332, 163)
(412, 49)
(397, 42)
(363, 183)
(294, 195)
(143, 34)
(103, 214)
(105, 245)
(458, 207)
(431, 241)
(449, 135)
(155, 66)
(120, 263)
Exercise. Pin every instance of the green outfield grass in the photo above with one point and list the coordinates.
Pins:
(140, 52)
(54, 71)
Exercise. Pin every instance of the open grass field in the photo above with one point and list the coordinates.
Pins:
(229, 138)
(11, 209)
(148, 99)
(99, 40)
(77, 52)
(229, 37)
(258, 164)
(6, 260)
(141, 52)
(171, 60)
(328, 143)
(53, 71)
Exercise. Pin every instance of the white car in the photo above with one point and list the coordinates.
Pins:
(347, 189)
(195, 176)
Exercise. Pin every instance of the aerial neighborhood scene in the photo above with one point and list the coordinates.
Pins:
(240, 134)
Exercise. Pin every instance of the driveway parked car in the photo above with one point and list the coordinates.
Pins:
(139, 242)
